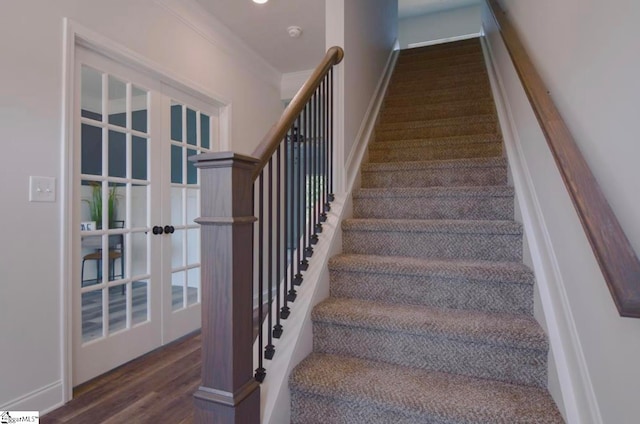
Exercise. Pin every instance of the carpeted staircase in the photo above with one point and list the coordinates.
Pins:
(430, 318)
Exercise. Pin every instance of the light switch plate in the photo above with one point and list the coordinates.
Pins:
(42, 189)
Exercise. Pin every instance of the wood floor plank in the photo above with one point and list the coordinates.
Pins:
(153, 388)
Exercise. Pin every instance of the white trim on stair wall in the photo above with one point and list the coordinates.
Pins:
(573, 389)
(296, 342)
(443, 40)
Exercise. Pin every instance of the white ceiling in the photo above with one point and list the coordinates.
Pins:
(408, 8)
(263, 27)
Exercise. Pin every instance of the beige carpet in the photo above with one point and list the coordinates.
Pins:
(430, 318)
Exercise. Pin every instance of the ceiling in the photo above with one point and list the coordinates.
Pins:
(263, 27)
(407, 8)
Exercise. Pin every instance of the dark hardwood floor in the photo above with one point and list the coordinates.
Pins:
(155, 388)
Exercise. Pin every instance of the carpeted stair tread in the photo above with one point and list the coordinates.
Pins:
(489, 286)
(346, 390)
(439, 83)
(432, 226)
(435, 151)
(435, 164)
(417, 70)
(437, 128)
(436, 95)
(455, 172)
(421, 192)
(438, 80)
(505, 347)
(492, 271)
(436, 142)
(441, 59)
(444, 110)
(445, 239)
(510, 330)
(471, 203)
(455, 121)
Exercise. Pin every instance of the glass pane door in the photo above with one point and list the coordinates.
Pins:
(190, 134)
(115, 318)
(114, 195)
(136, 197)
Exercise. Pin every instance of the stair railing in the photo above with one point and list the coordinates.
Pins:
(615, 255)
(250, 271)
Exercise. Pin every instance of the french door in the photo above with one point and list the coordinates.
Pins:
(136, 284)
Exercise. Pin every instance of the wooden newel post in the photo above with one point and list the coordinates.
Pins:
(229, 393)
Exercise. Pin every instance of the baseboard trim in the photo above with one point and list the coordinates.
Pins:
(578, 396)
(50, 395)
(443, 40)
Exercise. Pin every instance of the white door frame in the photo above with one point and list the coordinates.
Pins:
(78, 35)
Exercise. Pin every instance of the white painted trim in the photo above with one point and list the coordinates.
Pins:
(66, 199)
(201, 21)
(292, 82)
(367, 127)
(575, 383)
(444, 40)
(47, 395)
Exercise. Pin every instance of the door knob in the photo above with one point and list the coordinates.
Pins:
(157, 230)
(169, 229)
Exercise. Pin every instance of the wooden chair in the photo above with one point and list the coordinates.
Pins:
(116, 251)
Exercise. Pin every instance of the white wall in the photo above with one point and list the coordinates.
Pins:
(31, 105)
(584, 54)
(455, 23)
(367, 31)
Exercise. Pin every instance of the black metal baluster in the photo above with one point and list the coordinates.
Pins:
(297, 280)
(269, 349)
(331, 179)
(325, 150)
(288, 275)
(309, 132)
(260, 371)
(277, 329)
(316, 197)
(303, 152)
(312, 129)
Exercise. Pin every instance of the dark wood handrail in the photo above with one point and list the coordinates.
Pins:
(615, 255)
(278, 131)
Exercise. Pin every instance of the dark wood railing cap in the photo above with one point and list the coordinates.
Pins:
(617, 259)
(279, 130)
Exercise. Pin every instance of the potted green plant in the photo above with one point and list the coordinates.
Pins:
(95, 204)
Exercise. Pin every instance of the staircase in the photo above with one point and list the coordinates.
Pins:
(430, 318)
